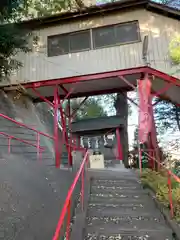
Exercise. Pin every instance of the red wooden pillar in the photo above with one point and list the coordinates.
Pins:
(119, 145)
(70, 148)
(153, 137)
(56, 134)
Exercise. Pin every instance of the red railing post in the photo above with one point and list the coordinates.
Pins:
(82, 189)
(9, 145)
(170, 195)
(38, 146)
(56, 134)
(64, 129)
(68, 198)
(68, 228)
(70, 135)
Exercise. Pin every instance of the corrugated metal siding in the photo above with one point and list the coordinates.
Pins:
(160, 29)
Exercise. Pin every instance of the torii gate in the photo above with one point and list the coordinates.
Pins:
(55, 91)
(101, 126)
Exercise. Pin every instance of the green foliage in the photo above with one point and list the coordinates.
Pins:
(157, 181)
(171, 3)
(174, 49)
(13, 39)
(167, 116)
(90, 109)
(36, 8)
(135, 142)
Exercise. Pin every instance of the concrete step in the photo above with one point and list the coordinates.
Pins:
(127, 195)
(115, 212)
(108, 175)
(147, 222)
(119, 187)
(119, 208)
(115, 189)
(128, 234)
(125, 205)
(117, 200)
(116, 183)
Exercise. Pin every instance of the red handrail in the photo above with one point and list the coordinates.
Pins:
(38, 133)
(20, 140)
(25, 126)
(38, 147)
(169, 183)
(67, 204)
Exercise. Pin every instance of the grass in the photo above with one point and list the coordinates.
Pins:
(158, 182)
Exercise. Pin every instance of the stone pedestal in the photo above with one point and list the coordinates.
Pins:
(77, 157)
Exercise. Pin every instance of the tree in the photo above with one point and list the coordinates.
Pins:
(91, 109)
(135, 141)
(36, 8)
(171, 3)
(167, 116)
(13, 39)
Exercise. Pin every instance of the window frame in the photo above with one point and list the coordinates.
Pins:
(52, 36)
(83, 50)
(114, 26)
(69, 36)
(91, 38)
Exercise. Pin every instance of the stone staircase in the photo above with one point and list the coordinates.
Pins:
(119, 208)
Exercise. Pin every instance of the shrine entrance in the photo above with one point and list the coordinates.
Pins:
(101, 136)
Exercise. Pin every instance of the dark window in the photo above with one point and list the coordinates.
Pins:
(103, 36)
(127, 32)
(58, 45)
(80, 41)
(68, 43)
(116, 34)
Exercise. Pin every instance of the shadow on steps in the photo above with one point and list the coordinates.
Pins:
(31, 197)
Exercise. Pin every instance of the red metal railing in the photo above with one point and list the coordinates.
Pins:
(66, 210)
(11, 137)
(170, 175)
(21, 125)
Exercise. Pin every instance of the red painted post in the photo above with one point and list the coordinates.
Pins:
(63, 121)
(70, 135)
(82, 189)
(153, 135)
(38, 146)
(68, 221)
(9, 145)
(56, 134)
(119, 146)
(170, 195)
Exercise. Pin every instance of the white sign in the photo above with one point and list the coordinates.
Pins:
(96, 161)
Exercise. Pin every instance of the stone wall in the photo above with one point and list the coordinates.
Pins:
(24, 111)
